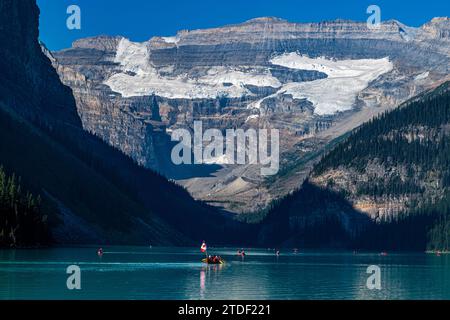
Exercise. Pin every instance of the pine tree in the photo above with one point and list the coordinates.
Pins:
(21, 221)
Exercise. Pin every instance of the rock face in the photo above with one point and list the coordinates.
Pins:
(314, 82)
(93, 193)
(386, 186)
(403, 164)
(26, 70)
(43, 141)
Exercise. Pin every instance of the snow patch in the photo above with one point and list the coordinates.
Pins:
(422, 76)
(220, 75)
(337, 93)
(133, 56)
(252, 117)
(221, 160)
(171, 40)
(145, 79)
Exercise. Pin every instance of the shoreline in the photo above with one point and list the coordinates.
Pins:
(283, 250)
(436, 252)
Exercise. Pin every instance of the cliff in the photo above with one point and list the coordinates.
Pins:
(263, 73)
(26, 71)
(386, 186)
(92, 193)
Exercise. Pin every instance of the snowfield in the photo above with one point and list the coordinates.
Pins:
(145, 80)
(337, 93)
(171, 40)
(219, 75)
(422, 76)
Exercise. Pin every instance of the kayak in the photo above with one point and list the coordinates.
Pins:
(210, 262)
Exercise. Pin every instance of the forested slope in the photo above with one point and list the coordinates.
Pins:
(393, 170)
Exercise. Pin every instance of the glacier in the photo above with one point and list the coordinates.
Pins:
(139, 78)
(338, 92)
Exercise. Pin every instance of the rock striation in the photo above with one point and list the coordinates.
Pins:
(132, 95)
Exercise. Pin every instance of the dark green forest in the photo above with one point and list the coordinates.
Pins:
(309, 217)
(106, 189)
(427, 228)
(384, 139)
(426, 224)
(22, 220)
(415, 136)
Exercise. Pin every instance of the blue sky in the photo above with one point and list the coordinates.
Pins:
(139, 20)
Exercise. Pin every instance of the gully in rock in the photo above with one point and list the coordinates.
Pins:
(241, 147)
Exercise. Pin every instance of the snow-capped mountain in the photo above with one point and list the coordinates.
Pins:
(313, 81)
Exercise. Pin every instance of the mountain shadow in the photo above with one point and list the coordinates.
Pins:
(310, 217)
(396, 167)
(96, 193)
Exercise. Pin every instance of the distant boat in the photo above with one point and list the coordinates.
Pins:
(204, 247)
(211, 261)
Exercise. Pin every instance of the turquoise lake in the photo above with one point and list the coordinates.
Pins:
(145, 273)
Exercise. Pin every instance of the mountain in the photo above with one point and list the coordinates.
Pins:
(389, 183)
(29, 84)
(314, 82)
(396, 162)
(89, 192)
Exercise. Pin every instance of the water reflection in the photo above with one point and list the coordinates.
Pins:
(209, 276)
(176, 273)
(202, 284)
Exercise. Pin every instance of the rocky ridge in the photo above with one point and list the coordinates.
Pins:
(225, 62)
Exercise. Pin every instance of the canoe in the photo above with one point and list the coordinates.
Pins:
(206, 261)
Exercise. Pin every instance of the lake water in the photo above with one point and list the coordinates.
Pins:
(177, 273)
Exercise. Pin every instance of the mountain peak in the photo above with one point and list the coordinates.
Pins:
(440, 19)
(265, 20)
(438, 28)
(102, 42)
